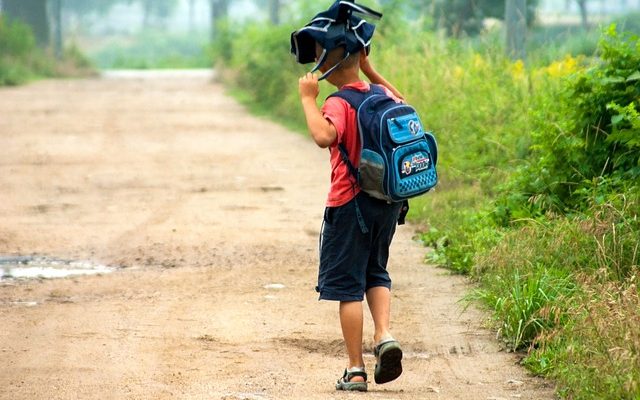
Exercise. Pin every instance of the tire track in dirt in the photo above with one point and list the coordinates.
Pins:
(206, 206)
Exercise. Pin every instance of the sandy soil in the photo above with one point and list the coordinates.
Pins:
(202, 206)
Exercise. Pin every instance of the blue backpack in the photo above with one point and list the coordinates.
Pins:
(398, 158)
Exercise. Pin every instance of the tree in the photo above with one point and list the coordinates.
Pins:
(56, 11)
(33, 13)
(156, 10)
(582, 4)
(192, 15)
(219, 12)
(466, 17)
(458, 17)
(274, 11)
(273, 7)
(516, 22)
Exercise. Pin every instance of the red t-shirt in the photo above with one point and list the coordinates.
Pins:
(344, 119)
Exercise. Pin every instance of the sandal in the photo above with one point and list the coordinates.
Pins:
(345, 383)
(388, 361)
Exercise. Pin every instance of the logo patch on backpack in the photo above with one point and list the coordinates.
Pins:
(417, 163)
(414, 127)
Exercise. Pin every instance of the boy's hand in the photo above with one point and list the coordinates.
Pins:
(308, 86)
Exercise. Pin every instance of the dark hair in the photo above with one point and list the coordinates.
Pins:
(336, 55)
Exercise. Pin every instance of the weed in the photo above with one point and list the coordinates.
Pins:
(526, 305)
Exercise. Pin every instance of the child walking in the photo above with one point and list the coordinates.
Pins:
(353, 258)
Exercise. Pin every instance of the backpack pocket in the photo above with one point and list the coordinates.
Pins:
(371, 174)
(414, 170)
(404, 128)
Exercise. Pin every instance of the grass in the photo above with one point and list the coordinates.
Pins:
(526, 304)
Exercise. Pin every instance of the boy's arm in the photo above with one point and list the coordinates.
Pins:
(322, 131)
(375, 77)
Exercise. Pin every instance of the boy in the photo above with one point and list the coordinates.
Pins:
(353, 263)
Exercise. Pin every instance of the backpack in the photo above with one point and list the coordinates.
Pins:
(398, 158)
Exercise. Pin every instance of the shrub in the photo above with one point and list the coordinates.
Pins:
(21, 60)
(17, 44)
(587, 145)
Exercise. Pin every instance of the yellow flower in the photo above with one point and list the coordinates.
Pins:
(458, 72)
(517, 70)
(567, 66)
(478, 61)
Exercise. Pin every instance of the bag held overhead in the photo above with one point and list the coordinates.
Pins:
(338, 26)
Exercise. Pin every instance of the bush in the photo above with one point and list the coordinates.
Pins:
(258, 64)
(17, 44)
(21, 60)
(585, 145)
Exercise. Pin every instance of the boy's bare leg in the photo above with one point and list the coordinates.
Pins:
(351, 320)
(379, 300)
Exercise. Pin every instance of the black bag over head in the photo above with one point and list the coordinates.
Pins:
(339, 26)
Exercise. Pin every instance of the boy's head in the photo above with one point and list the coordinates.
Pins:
(337, 30)
(338, 59)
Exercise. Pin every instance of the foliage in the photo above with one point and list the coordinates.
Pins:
(466, 17)
(585, 144)
(17, 48)
(526, 304)
(32, 13)
(258, 62)
(21, 60)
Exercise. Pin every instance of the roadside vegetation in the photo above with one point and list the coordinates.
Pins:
(21, 60)
(539, 195)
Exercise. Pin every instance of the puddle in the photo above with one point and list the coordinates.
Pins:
(32, 267)
(276, 286)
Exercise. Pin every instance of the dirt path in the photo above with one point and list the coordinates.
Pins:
(204, 206)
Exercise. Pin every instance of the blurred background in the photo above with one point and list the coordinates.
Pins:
(180, 33)
(536, 108)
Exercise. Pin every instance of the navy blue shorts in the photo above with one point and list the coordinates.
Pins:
(352, 262)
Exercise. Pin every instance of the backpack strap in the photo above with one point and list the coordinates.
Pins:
(356, 176)
(355, 98)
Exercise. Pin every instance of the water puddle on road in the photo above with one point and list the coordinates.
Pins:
(39, 267)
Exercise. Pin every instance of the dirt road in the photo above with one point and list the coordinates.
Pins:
(213, 216)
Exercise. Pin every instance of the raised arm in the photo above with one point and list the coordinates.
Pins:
(375, 77)
(322, 131)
